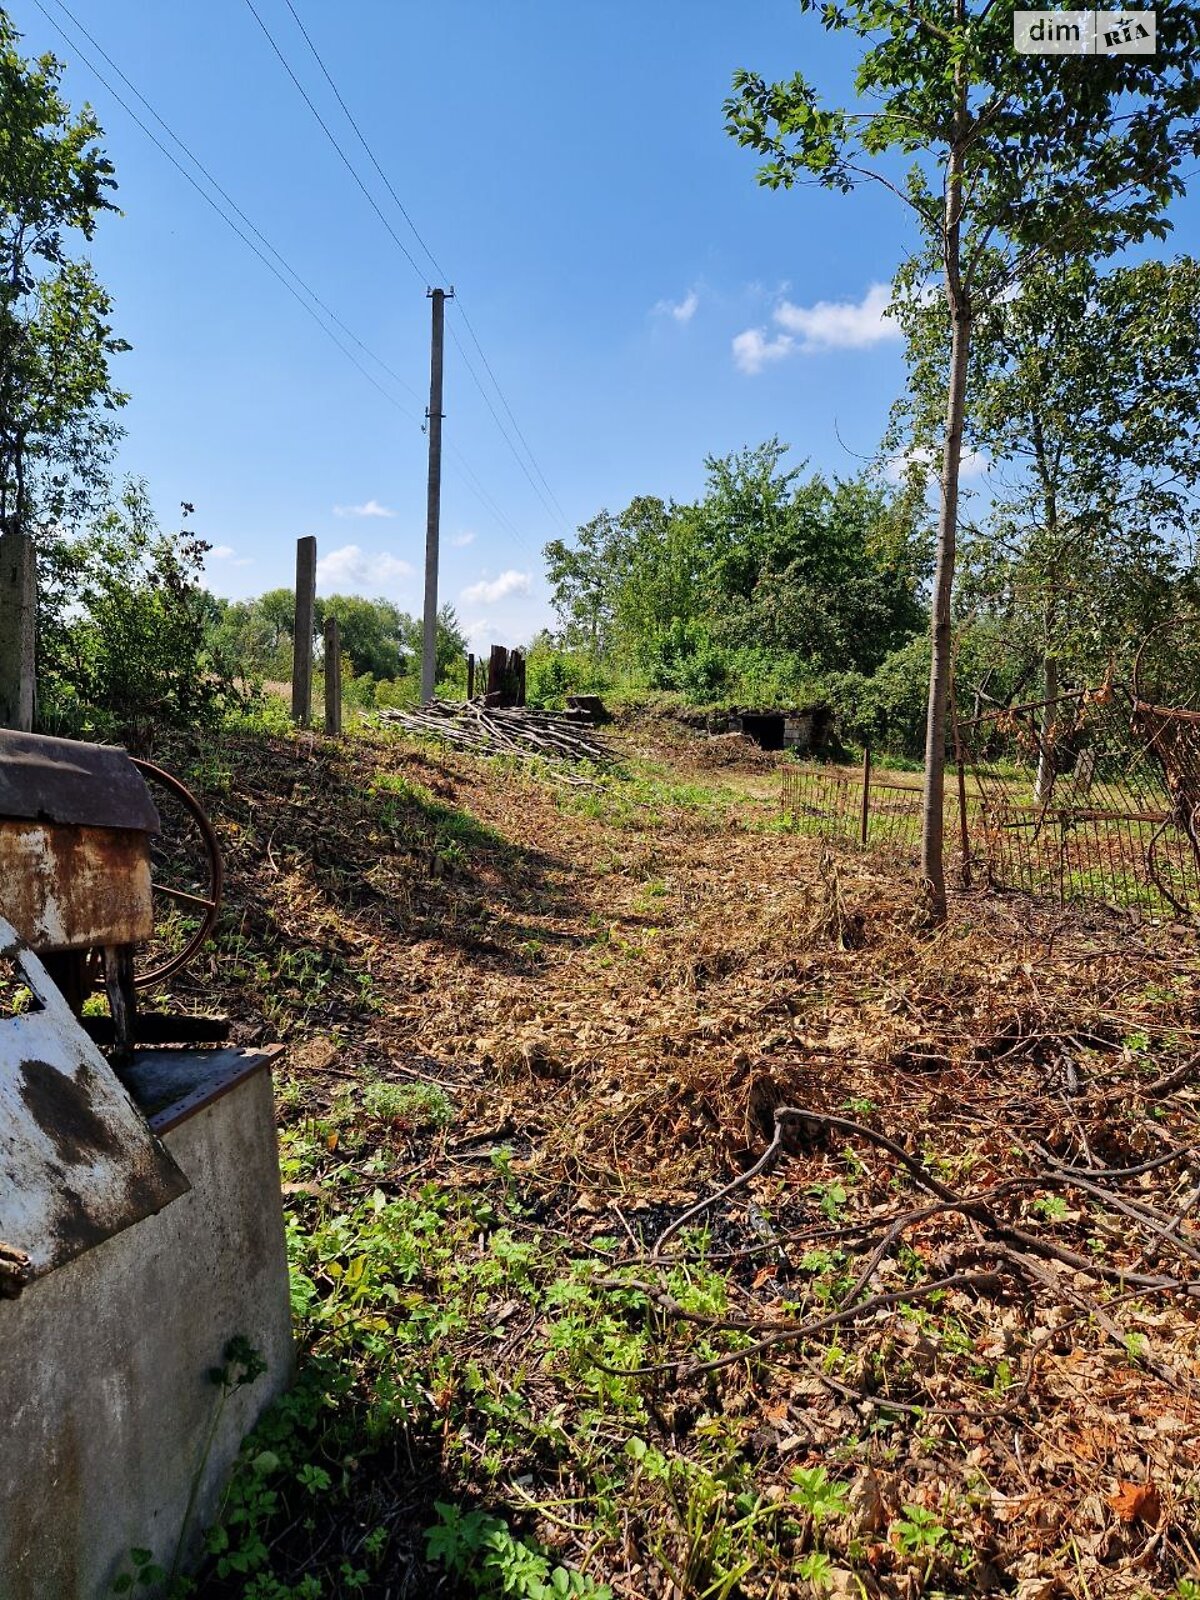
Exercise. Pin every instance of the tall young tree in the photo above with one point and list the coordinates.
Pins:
(1085, 393)
(1011, 160)
(56, 393)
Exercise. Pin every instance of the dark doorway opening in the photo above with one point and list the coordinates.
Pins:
(765, 728)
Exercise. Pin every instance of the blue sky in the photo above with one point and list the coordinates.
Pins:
(641, 301)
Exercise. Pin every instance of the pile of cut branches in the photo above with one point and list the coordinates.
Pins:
(514, 731)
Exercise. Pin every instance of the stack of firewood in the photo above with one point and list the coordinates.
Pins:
(514, 731)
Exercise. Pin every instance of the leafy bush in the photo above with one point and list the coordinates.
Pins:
(124, 625)
(683, 656)
(483, 1549)
(551, 675)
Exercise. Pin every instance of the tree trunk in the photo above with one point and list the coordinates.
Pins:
(933, 819)
(1044, 781)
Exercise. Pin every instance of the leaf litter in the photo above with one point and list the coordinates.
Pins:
(963, 1278)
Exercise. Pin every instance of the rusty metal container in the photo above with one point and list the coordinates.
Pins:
(75, 827)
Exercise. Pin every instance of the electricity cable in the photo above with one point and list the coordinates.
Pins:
(496, 418)
(555, 510)
(349, 116)
(346, 161)
(473, 482)
(229, 222)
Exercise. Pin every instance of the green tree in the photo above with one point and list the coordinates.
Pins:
(585, 578)
(255, 636)
(125, 630)
(1088, 391)
(1085, 394)
(57, 398)
(450, 650)
(1013, 160)
(374, 633)
(767, 581)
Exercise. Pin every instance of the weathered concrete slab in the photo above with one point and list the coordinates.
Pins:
(77, 1160)
(103, 1364)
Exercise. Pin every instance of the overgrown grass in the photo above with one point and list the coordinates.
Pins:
(392, 1294)
(642, 798)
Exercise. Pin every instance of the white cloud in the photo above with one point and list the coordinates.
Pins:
(461, 540)
(841, 324)
(482, 631)
(974, 464)
(682, 310)
(827, 325)
(487, 592)
(752, 350)
(370, 508)
(354, 571)
(226, 552)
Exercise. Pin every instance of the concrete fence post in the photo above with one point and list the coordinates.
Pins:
(18, 613)
(302, 656)
(333, 677)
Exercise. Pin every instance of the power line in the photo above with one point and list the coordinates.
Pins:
(228, 220)
(316, 54)
(473, 482)
(496, 418)
(554, 511)
(482, 494)
(346, 161)
(462, 311)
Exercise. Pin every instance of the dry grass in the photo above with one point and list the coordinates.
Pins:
(631, 983)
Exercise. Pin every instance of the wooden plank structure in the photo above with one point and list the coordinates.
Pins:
(506, 677)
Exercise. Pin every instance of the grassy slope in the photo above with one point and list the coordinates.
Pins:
(529, 1025)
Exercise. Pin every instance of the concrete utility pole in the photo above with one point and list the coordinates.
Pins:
(433, 512)
(18, 610)
(302, 652)
(333, 676)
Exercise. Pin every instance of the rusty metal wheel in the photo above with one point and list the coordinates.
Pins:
(197, 860)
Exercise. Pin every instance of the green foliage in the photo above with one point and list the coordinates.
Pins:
(752, 592)
(411, 1105)
(146, 1573)
(375, 634)
(483, 1550)
(381, 645)
(887, 709)
(56, 395)
(1084, 392)
(919, 1532)
(552, 674)
(818, 1496)
(1014, 162)
(125, 630)
(255, 636)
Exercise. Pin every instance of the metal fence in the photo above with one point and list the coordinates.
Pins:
(1094, 796)
(870, 806)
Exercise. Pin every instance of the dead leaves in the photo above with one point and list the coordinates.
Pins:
(1137, 1502)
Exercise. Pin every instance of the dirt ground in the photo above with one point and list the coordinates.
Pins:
(944, 1340)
